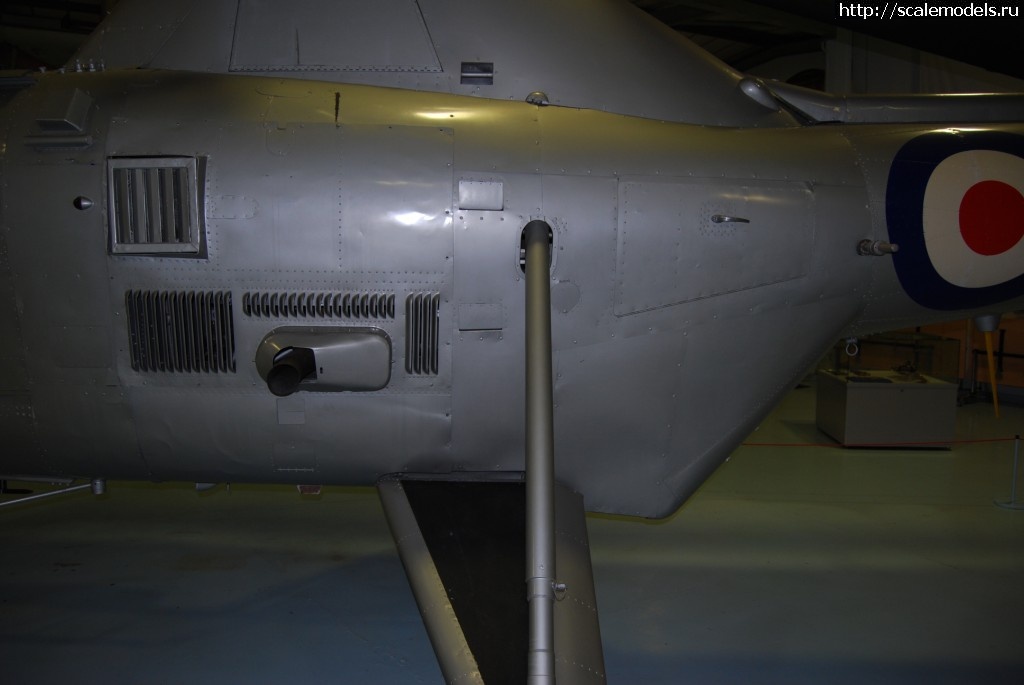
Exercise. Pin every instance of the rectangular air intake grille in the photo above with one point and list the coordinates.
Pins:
(421, 333)
(180, 331)
(319, 305)
(154, 206)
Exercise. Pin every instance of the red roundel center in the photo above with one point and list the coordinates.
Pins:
(992, 217)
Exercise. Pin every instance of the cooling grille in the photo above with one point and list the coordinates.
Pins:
(319, 305)
(154, 206)
(180, 331)
(421, 333)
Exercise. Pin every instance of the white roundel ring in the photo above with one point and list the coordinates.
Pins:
(973, 218)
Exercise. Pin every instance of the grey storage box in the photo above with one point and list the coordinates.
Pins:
(886, 408)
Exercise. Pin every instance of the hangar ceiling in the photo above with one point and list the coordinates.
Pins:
(743, 33)
(746, 33)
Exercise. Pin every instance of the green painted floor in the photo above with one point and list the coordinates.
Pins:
(791, 565)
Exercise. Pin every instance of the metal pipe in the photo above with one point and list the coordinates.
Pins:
(46, 495)
(1016, 458)
(540, 458)
(992, 372)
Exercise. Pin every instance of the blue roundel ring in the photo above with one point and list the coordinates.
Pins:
(904, 209)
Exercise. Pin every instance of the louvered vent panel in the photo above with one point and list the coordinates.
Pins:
(319, 305)
(153, 206)
(180, 331)
(421, 333)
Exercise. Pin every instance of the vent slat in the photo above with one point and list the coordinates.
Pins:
(153, 212)
(195, 311)
(222, 327)
(180, 332)
(410, 335)
(134, 329)
(182, 199)
(422, 344)
(152, 305)
(159, 319)
(137, 193)
(175, 341)
(209, 340)
(171, 230)
(227, 332)
(435, 330)
(122, 211)
(188, 329)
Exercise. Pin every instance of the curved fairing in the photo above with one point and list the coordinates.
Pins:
(705, 251)
(600, 54)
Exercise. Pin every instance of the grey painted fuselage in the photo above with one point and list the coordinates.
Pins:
(326, 205)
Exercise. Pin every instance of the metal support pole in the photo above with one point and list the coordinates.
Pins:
(987, 324)
(97, 486)
(540, 458)
(1012, 503)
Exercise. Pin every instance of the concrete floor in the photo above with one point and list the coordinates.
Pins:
(792, 565)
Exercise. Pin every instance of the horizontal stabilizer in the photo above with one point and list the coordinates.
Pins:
(871, 109)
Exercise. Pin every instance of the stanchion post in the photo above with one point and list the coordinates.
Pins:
(1012, 503)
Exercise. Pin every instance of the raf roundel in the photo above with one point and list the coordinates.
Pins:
(955, 206)
(973, 218)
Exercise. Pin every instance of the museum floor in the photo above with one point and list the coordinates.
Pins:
(791, 565)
